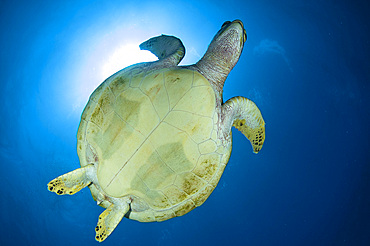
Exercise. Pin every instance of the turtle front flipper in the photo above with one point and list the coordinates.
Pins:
(109, 219)
(71, 182)
(245, 116)
(168, 49)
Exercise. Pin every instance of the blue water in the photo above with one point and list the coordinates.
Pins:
(305, 64)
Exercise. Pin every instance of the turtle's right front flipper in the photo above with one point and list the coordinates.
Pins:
(168, 49)
(71, 182)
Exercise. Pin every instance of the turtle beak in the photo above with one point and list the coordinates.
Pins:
(244, 32)
(228, 24)
(228, 43)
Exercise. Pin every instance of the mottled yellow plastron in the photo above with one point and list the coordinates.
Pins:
(154, 137)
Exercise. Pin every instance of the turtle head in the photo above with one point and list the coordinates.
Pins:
(223, 53)
(227, 45)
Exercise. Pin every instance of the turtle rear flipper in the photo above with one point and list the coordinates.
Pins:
(71, 182)
(245, 116)
(168, 49)
(109, 219)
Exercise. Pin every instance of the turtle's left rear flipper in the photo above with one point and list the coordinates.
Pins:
(71, 182)
(109, 219)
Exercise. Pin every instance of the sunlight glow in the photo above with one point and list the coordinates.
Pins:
(123, 56)
(100, 65)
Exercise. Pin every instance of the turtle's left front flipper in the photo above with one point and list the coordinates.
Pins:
(71, 182)
(244, 115)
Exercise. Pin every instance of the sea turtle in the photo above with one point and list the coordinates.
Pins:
(155, 137)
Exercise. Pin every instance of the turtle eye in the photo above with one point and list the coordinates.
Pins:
(225, 24)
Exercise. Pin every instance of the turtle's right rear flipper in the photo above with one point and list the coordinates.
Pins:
(71, 182)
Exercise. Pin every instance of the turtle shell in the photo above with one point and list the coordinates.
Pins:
(154, 138)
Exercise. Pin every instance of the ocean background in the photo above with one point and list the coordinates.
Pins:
(305, 64)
